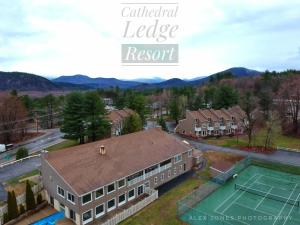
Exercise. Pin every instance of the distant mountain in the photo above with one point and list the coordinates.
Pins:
(31, 82)
(153, 80)
(237, 72)
(96, 82)
(175, 82)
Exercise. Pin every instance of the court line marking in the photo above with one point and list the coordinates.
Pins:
(276, 178)
(272, 186)
(263, 212)
(291, 210)
(231, 217)
(234, 192)
(240, 195)
(285, 204)
(264, 198)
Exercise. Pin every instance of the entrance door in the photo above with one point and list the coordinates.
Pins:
(72, 215)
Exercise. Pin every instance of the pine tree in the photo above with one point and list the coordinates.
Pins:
(73, 124)
(133, 123)
(97, 126)
(162, 123)
(12, 207)
(30, 201)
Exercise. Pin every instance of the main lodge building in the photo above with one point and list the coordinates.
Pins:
(91, 183)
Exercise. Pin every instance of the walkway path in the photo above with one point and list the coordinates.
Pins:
(291, 158)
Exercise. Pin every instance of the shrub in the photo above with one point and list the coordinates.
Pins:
(5, 218)
(12, 207)
(39, 199)
(22, 209)
(21, 153)
(30, 201)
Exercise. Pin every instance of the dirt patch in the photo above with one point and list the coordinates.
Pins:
(220, 160)
(17, 188)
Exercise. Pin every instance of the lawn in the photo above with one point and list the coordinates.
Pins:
(259, 140)
(163, 210)
(16, 180)
(65, 144)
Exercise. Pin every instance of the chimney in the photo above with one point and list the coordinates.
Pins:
(102, 150)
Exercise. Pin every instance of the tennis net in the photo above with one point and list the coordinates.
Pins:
(267, 195)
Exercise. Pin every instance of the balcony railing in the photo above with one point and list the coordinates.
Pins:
(210, 128)
(135, 180)
(152, 173)
(153, 195)
(165, 167)
(222, 127)
(197, 129)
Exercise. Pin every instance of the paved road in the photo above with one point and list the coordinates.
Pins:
(15, 170)
(292, 158)
(52, 137)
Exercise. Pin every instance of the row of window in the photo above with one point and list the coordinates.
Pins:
(87, 198)
(112, 204)
(61, 192)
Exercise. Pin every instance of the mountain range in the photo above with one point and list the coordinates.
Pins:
(31, 82)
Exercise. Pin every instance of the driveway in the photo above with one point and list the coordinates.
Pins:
(15, 170)
(285, 157)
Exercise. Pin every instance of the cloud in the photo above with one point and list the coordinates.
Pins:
(55, 37)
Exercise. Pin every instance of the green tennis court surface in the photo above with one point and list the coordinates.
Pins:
(257, 196)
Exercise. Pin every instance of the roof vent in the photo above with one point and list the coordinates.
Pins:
(102, 150)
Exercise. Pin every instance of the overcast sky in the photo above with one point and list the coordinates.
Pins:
(66, 37)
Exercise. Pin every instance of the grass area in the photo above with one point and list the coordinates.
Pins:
(277, 166)
(163, 210)
(65, 144)
(18, 184)
(259, 140)
(15, 180)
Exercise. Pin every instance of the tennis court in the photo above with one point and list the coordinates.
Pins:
(257, 196)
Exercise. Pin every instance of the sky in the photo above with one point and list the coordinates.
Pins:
(67, 37)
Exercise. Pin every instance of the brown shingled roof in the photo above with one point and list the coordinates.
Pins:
(117, 115)
(84, 169)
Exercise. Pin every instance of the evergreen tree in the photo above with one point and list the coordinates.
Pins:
(12, 207)
(39, 199)
(30, 201)
(21, 153)
(133, 123)
(226, 97)
(73, 124)
(174, 110)
(22, 209)
(97, 125)
(162, 123)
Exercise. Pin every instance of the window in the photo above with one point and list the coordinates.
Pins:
(86, 198)
(111, 205)
(178, 158)
(140, 190)
(190, 153)
(121, 183)
(60, 191)
(99, 211)
(180, 168)
(99, 193)
(71, 198)
(131, 195)
(169, 173)
(122, 199)
(155, 180)
(162, 176)
(175, 171)
(110, 188)
(87, 217)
